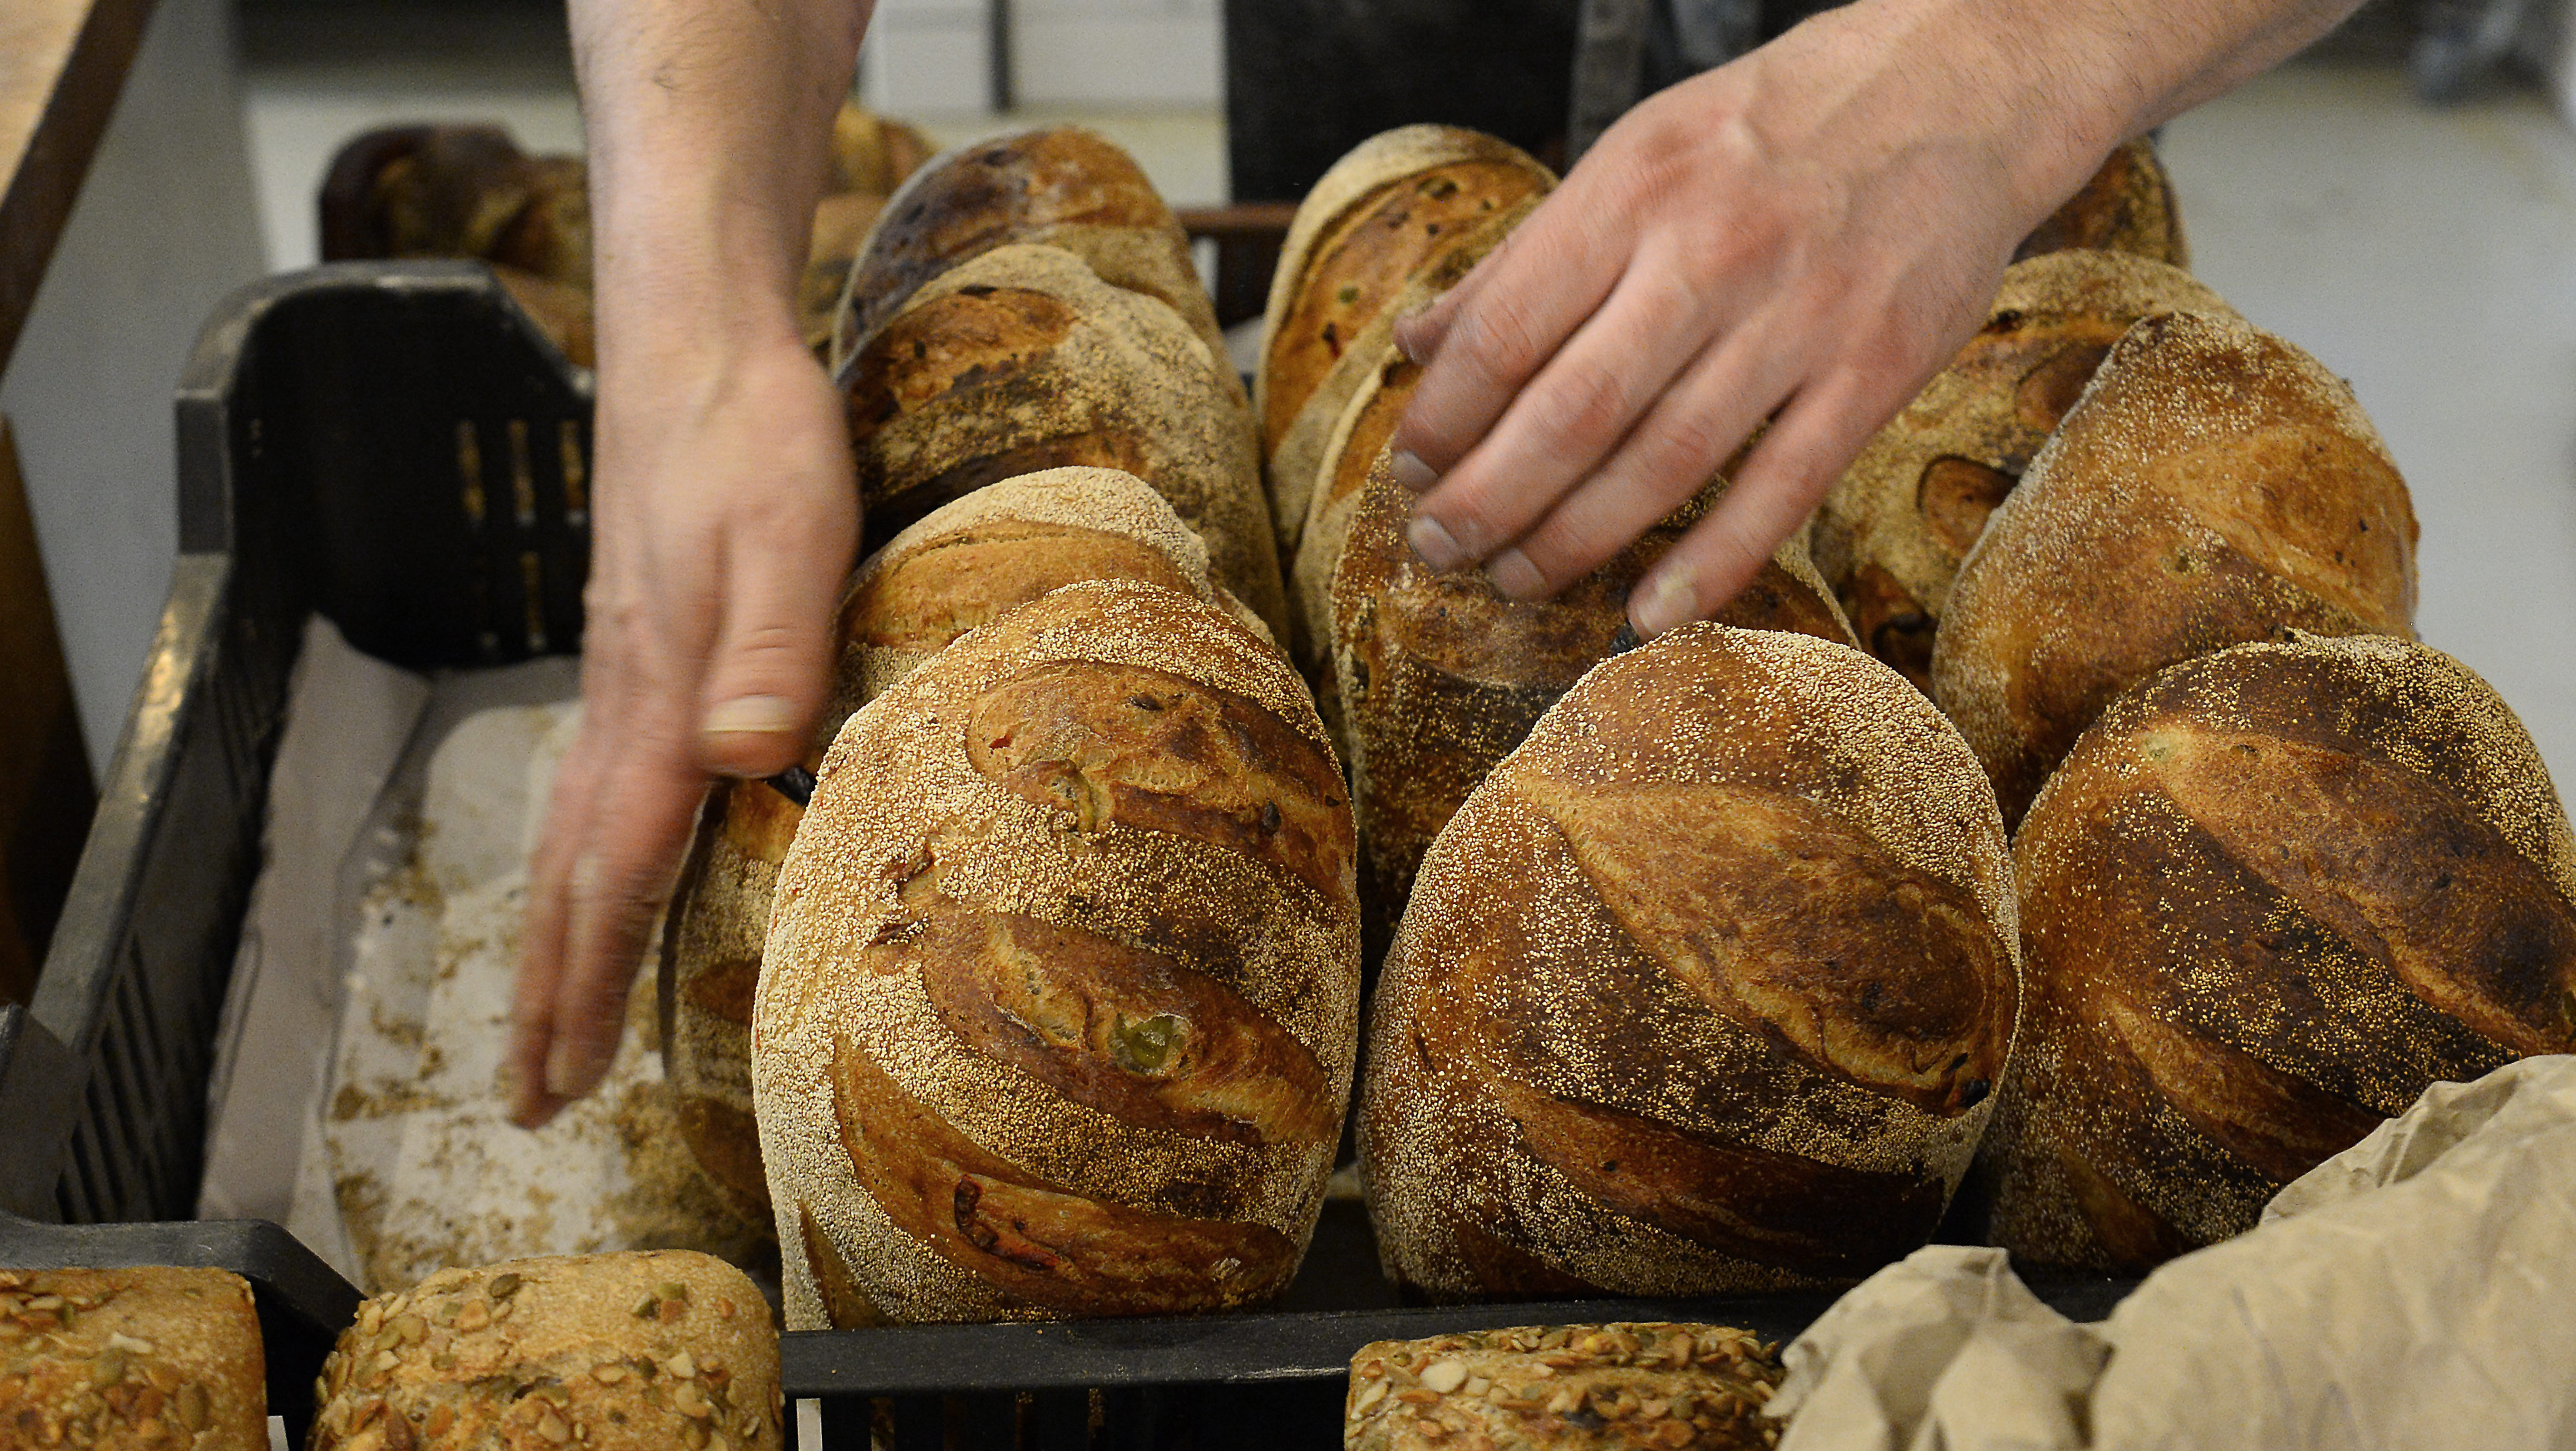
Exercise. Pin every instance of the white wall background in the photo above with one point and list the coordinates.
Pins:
(933, 58)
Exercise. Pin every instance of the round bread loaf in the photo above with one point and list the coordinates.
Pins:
(1891, 532)
(1061, 989)
(1380, 216)
(2214, 485)
(2128, 206)
(1440, 675)
(2271, 897)
(157, 1356)
(1703, 990)
(873, 154)
(957, 570)
(1023, 360)
(468, 191)
(1058, 186)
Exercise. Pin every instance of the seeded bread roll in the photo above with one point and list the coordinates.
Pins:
(615, 1352)
(1058, 186)
(1439, 675)
(1627, 1387)
(957, 570)
(2214, 485)
(1891, 532)
(1380, 216)
(117, 1359)
(1023, 360)
(2128, 206)
(1702, 991)
(1061, 988)
(2271, 897)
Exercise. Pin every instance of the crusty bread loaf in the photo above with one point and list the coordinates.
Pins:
(1058, 186)
(2271, 897)
(1380, 216)
(841, 223)
(1023, 359)
(637, 1351)
(2215, 484)
(1625, 1387)
(1891, 532)
(873, 154)
(1060, 996)
(560, 310)
(1703, 990)
(1440, 675)
(468, 191)
(959, 569)
(2128, 206)
(121, 1360)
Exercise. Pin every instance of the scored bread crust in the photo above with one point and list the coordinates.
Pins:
(1022, 360)
(1060, 1001)
(1358, 227)
(1576, 1084)
(2213, 485)
(1440, 675)
(2126, 206)
(1055, 186)
(960, 568)
(1891, 531)
(2272, 896)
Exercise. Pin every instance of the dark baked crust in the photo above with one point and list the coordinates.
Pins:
(116, 1359)
(2127, 206)
(2273, 895)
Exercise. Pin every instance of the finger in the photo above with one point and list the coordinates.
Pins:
(1419, 335)
(543, 930)
(1814, 438)
(770, 665)
(1572, 416)
(1684, 442)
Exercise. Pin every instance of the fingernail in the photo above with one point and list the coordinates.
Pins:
(1411, 473)
(564, 1071)
(1437, 547)
(1667, 600)
(752, 715)
(1515, 576)
(1408, 329)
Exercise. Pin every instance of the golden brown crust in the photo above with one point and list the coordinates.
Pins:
(1654, 1386)
(2273, 895)
(618, 1352)
(1891, 532)
(2127, 206)
(2215, 485)
(1703, 989)
(1439, 675)
(873, 154)
(1059, 1010)
(117, 1359)
(1023, 360)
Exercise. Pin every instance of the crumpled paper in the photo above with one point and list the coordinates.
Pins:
(2416, 1290)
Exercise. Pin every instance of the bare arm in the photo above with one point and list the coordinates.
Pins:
(725, 509)
(1805, 235)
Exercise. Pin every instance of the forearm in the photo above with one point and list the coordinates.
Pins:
(709, 125)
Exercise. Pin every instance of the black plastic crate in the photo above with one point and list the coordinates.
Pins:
(394, 445)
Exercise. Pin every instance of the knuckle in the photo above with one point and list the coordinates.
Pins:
(1585, 406)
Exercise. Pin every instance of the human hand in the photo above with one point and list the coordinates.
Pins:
(726, 517)
(1805, 235)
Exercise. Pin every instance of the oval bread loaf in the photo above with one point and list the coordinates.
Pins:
(1057, 186)
(1023, 360)
(959, 569)
(1703, 990)
(2272, 896)
(1440, 675)
(152, 1357)
(1378, 218)
(2127, 206)
(2214, 485)
(1891, 532)
(1061, 989)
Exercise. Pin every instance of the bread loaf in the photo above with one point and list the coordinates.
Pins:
(1440, 675)
(1651, 1387)
(957, 570)
(1891, 532)
(1023, 360)
(2214, 485)
(121, 1360)
(640, 1351)
(1059, 186)
(2128, 206)
(468, 191)
(873, 154)
(1703, 990)
(1382, 215)
(1061, 987)
(2272, 896)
